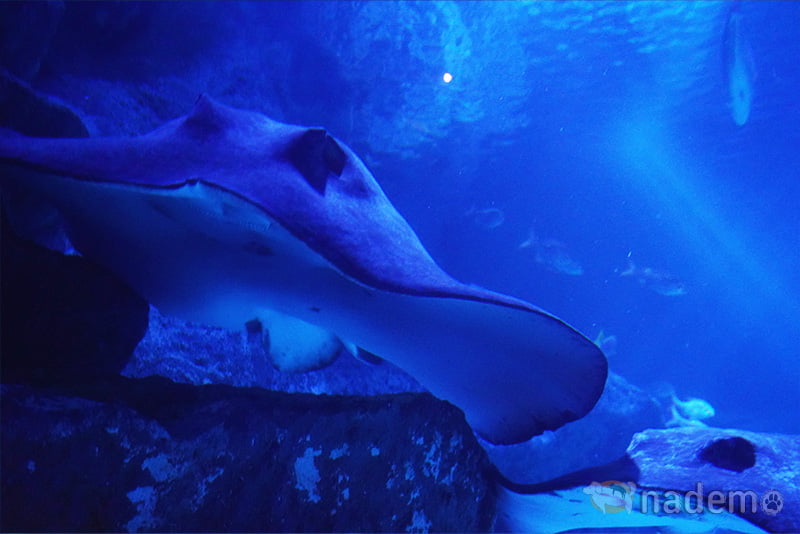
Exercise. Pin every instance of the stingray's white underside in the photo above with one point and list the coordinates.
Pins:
(206, 255)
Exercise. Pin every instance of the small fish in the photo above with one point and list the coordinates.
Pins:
(660, 282)
(606, 343)
(488, 218)
(689, 412)
(552, 254)
(739, 67)
(695, 409)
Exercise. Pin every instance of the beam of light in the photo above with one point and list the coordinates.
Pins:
(722, 242)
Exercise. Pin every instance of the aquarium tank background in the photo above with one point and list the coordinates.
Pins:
(630, 167)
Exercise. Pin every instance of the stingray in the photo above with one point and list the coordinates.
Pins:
(225, 215)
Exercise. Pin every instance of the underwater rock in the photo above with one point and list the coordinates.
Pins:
(600, 437)
(732, 462)
(152, 455)
(199, 354)
(65, 318)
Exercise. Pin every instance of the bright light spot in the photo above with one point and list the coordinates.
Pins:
(447, 77)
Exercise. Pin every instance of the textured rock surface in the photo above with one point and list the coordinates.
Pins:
(64, 319)
(598, 438)
(198, 354)
(677, 459)
(150, 455)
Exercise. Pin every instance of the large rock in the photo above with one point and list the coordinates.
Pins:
(64, 319)
(152, 455)
(688, 479)
(766, 466)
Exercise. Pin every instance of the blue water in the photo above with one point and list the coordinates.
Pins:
(607, 126)
(603, 125)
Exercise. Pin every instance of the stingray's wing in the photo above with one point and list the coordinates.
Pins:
(513, 368)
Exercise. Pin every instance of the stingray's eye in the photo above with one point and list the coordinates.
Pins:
(335, 158)
(316, 155)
